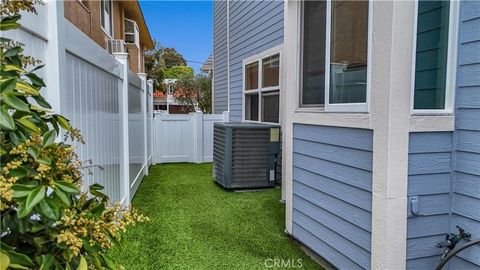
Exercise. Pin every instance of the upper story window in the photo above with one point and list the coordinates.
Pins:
(106, 16)
(433, 84)
(335, 55)
(131, 32)
(262, 89)
(170, 90)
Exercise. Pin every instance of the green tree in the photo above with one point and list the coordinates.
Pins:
(46, 221)
(204, 84)
(172, 57)
(178, 72)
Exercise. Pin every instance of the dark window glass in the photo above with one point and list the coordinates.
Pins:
(270, 70)
(348, 52)
(313, 63)
(251, 107)
(270, 107)
(431, 54)
(251, 76)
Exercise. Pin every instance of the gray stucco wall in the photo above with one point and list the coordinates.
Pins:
(332, 193)
(254, 26)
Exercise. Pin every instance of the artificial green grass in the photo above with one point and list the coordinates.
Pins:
(195, 224)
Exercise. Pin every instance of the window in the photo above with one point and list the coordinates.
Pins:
(170, 90)
(131, 33)
(431, 55)
(335, 55)
(106, 16)
(262, 89)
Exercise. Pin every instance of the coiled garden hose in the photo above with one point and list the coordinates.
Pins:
(454, 252)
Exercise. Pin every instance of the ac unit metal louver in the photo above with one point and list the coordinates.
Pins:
(245, 154)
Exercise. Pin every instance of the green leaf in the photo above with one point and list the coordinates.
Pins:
(13, 68)
(44, 160)
(8, 85)
(13, 18)
(20, 191)
(37, 68)
(12, 51)
(67, 187)
(8, 26)
(62, 196)
(47, 262)
(18, 258)
(35, 197)
(22, 210)
(4, 39)
(14, 138)
(42, 102)
(6, 120)
(49, 138)
(97, 211)
(108, 262)
(63, 122)
(26, 88)
(26, 124)
(33, 151)
(15, 103)
(96, 186)
(37, 81)
(47, 211)
(4, 261)
(83, 264)
(17, 266)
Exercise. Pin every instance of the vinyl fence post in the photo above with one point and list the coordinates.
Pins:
(198, 137)
(55, 54)
(143, 77)
(150, 112)
(124, 143)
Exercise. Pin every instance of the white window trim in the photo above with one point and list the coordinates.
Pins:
(451, 63)
(258, 58)
(337, 107)
(110, 18)
(135, 33)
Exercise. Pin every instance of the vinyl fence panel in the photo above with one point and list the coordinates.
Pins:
(184, 137)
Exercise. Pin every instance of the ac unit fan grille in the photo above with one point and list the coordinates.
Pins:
(250, 151)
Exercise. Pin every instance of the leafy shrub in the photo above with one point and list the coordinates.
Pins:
(47, 222)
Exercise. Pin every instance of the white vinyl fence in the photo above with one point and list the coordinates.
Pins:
(184, 137)
(100, 96)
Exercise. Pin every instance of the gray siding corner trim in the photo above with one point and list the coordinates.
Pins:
(332, 193)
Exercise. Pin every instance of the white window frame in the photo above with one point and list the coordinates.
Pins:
(135, 33)
(107, 29)
(260, 90)
(335, 107)
(170, 89)
(451, 63)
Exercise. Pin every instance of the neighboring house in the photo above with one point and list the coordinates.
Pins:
(207, 66)
(168, 102)
(379, 104)
(117, 26)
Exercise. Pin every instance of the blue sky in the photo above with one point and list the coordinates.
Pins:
(184, 25)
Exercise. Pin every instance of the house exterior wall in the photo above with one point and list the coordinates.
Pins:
(241, 29)
(220, 57)
(429, 181)
(85, 15)
(332, 193)
(466, 165)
